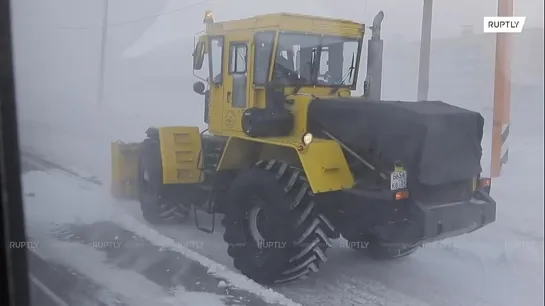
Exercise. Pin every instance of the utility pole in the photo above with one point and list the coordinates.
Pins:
(425, 50)
(502, 94)
(103, 43)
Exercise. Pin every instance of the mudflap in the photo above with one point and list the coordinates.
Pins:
(124, 184)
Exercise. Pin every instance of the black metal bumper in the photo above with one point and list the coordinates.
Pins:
(458, 218)
(416, 223)
(435, 222)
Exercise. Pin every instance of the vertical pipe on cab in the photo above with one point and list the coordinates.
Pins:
(373, 79)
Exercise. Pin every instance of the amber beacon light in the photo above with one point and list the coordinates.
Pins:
(208, 17)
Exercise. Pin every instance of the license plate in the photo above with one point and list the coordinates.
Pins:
(398, 180)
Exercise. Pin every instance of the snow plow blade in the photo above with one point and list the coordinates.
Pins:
(124, 170)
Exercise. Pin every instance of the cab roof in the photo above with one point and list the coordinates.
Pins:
(290, 22)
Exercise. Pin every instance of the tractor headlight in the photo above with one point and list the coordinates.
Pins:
(307, 139)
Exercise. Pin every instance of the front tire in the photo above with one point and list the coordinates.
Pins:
(273, 230)
(158, 204)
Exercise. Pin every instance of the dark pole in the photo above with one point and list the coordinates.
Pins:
(425, 48)
(103, 42)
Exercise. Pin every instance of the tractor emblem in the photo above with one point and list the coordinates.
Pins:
(230, 119)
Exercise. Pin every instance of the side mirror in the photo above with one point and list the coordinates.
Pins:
(199, 87)
(198, 55)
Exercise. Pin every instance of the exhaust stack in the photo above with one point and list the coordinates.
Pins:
(372, 87)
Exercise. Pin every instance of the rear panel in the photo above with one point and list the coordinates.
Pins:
(444, 193)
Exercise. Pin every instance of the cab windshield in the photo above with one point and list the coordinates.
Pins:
(315, 60)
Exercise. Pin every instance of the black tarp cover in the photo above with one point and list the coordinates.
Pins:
(437, 142)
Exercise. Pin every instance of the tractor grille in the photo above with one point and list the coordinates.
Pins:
(442, 194)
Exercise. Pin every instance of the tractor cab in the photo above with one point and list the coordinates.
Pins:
(253, 61)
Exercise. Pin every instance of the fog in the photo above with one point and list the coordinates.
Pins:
(148, 75)
(148, 81)
(403, 18)
(58, 41)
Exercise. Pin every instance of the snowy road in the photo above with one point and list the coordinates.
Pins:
(72, 215)
(52, 284)
(501, 264)
(86, 250)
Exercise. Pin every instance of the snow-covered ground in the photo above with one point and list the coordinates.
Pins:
(501, 264)
(57, 204)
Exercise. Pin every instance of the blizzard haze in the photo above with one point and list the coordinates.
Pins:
(148, 81)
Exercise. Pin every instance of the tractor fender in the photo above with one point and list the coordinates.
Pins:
(323, 161)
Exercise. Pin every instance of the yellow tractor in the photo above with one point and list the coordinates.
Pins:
(292, 160)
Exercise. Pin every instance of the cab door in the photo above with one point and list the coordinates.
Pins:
(216, 54)
(236, 82)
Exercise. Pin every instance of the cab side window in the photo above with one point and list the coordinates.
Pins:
(264, 42)
(239, 56)
(238, 64)
(216, 59)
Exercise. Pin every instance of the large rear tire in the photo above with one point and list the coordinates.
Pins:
(273, 230)
(158, 204)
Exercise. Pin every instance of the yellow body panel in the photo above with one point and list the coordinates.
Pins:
(181, 154)
(124, 169)
(181, 159)
(322, 161)
(326, 167)
(299, 108)
(290, 22)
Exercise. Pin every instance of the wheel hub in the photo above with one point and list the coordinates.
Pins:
(145, 176)
(146, 189)
(254, 221)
